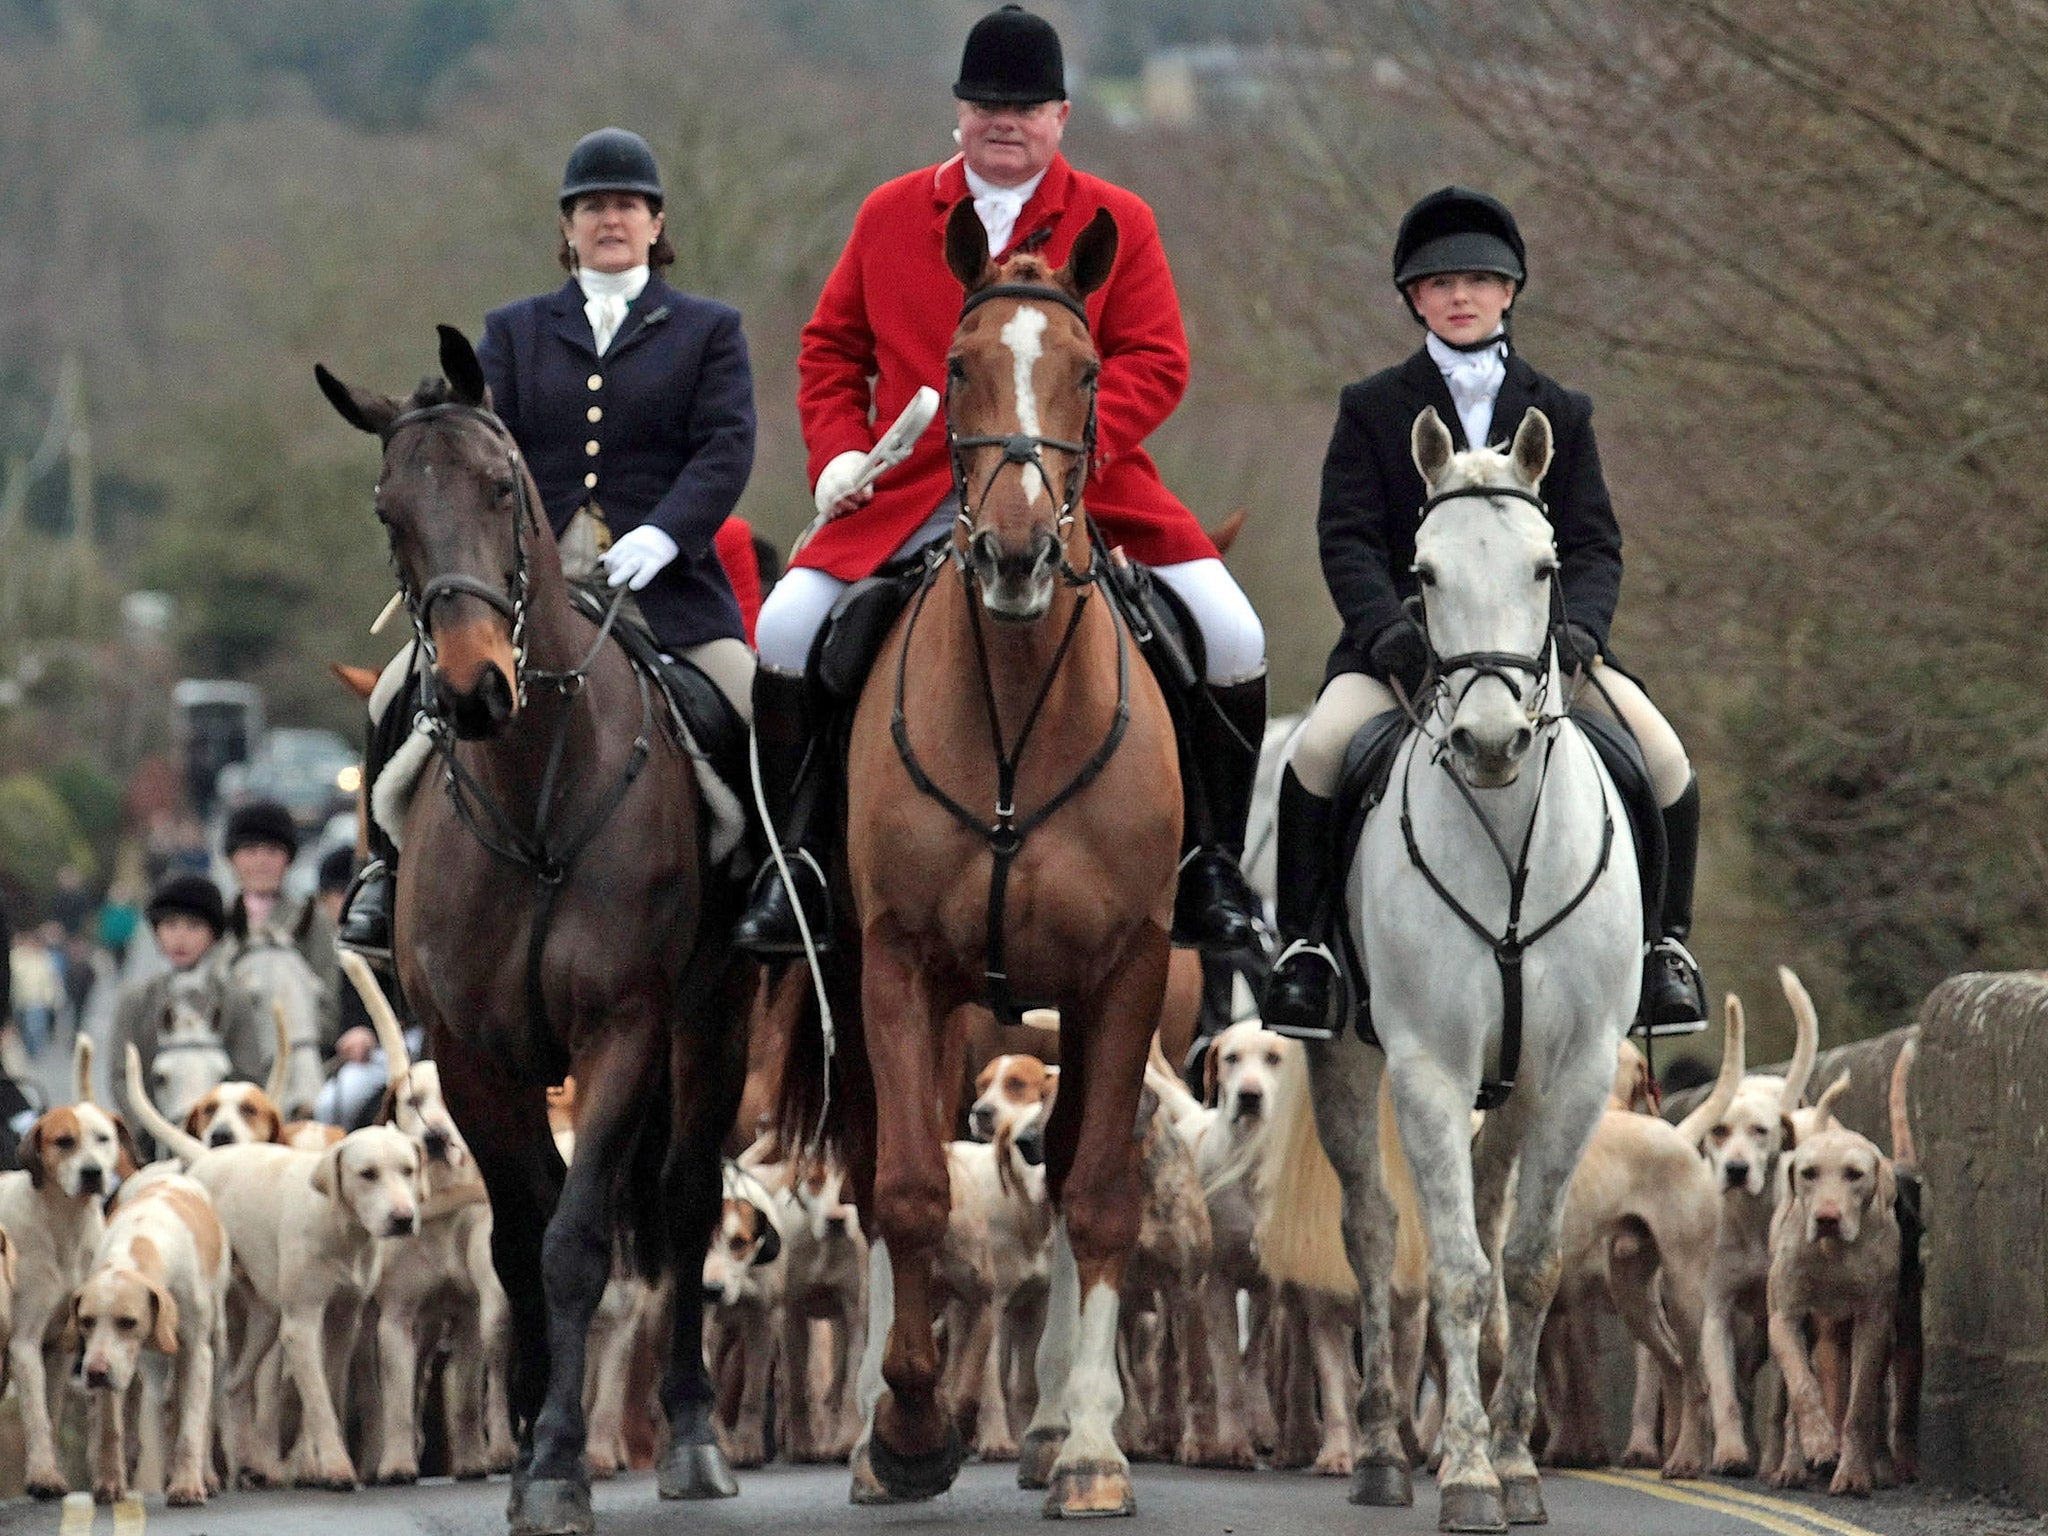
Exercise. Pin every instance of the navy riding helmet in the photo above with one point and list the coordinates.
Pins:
(1455, 229)
(611, 160)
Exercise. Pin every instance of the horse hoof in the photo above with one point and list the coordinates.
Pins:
(1382, 1485)
(551, 1506)
(1040, 1450)
(925, 1475)
(1090, 1490)
(1522, 1498)
(696, 1472)
(1466, 1508)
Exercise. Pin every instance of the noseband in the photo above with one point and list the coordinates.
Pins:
(1021, 448)
(1505, 666)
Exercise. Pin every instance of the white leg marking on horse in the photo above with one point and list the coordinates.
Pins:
(1056, 1344)
(1023, 333)
(1095, 1394)
(881, 1318)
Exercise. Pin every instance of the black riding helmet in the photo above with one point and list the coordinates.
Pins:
(611, 160)
(1455, 229)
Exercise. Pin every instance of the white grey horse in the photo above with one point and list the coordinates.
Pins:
(264, 972)
(1498, 781)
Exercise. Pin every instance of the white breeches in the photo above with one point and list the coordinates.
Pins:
(1231, 632)
(1352, 698)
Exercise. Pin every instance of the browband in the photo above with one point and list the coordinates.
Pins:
(1044, 291)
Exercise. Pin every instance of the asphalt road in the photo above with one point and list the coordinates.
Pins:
(811, 1501)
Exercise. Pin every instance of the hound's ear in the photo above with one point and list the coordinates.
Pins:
(6, 1261)
(29, 1156)
(1887, 1187)
(458, 363)
(768, 1246)
(1531, 452)
(130, 1159)
(967, 247)
(70, 1339)
(358, 407)
(165, 1337)
(1212, 1075)
(275, 1133)
(1094, 254)
(387, 1107)
(327, 1172)
(1429, 442)
(1788, 1136)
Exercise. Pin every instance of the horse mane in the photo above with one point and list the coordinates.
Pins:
(430, 391)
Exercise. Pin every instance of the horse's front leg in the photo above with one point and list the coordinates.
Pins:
(1551, 1131)
(914, 1450)
(1091, 1166)
(1432, 1108)
(576, 1260)
(708, 1055)
(1345, 1076)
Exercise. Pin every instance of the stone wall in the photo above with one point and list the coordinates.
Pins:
(1980, 1117)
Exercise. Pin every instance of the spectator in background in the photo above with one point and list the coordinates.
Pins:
(72, 905)
(38, 991)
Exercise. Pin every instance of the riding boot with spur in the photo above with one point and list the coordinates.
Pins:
(365, 925)
(1674, 996)
(793, 789)
(1216, 909)
(1298, 993)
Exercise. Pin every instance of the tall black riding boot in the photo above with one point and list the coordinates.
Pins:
(365, 925)
(1298, 993)
(1674, 996)
(1215, 908)
(783, 738)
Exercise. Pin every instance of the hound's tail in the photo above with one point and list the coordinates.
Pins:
(1904, 1154)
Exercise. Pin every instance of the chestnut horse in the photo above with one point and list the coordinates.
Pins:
(555, 917)
(1011, 767)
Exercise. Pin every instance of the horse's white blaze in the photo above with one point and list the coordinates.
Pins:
(1024, 334)
(1095, 1394)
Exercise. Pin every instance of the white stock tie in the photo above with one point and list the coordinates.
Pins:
(605, 297)
(1474, 380)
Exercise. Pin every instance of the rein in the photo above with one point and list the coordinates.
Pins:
(1510, 945)
(541, 850)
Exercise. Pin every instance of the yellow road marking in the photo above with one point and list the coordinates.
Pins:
(1819, 1517)
(1758, 1509)
(77, 1515)
(130, 1518)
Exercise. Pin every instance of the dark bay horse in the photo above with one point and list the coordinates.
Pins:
(1011, 767)
(554, 917)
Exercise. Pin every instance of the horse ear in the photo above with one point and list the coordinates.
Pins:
(1429, 441)
(309, 910)
(238, 921)
(359, 408)
(460, 367)
(967, 247)
(1094, 253)
(1531, 452)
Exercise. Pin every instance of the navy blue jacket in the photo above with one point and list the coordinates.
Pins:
(1373, 495)
(659, 430)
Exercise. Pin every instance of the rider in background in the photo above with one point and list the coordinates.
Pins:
(187, 917)
(633, 405)
(887, 314)
(260, 841)
(1459, 264)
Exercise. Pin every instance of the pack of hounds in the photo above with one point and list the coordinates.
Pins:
(280, 1303)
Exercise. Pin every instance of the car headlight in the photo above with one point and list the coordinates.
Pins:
(349, 779)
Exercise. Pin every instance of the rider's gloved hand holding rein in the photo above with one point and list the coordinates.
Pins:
(638, 557)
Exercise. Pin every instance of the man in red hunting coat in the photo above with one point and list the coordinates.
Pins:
(881, 329)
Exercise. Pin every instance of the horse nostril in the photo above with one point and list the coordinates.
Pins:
(985, 548)
(1463, 743)
(1520, 743)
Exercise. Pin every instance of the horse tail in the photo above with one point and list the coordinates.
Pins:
(1300, 1231)
(639, 1207)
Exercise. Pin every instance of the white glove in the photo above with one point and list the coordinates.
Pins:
(638, 555)
(835, 485)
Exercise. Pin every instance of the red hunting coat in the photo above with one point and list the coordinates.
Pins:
(889, 311)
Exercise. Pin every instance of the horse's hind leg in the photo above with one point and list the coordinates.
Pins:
(708, 1055)
(1345, 1075)
(1551, 1134)
(1091, 1169)
(1432, 1112)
